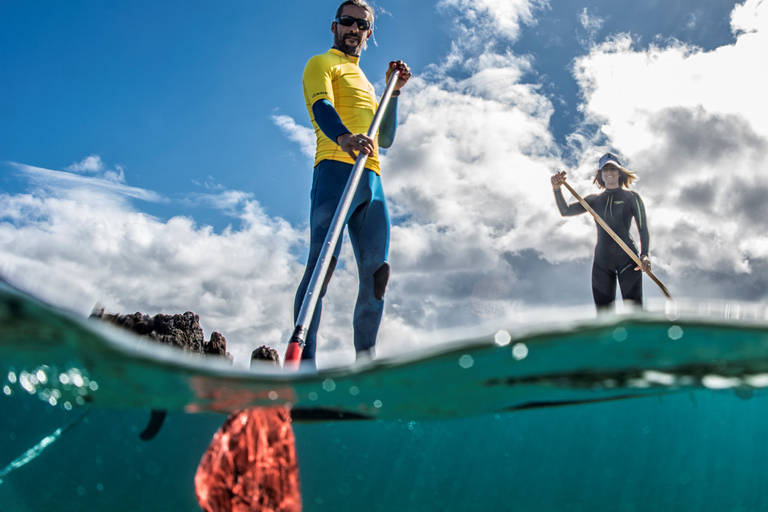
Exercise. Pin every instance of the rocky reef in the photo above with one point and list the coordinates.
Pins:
(180, 330)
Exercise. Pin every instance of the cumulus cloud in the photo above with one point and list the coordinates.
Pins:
(81, 246)
(93, 165)
(690, 122)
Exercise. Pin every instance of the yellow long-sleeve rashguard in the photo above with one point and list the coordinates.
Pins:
(338, 78)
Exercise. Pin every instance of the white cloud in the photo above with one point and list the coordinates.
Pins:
(81, 247)
(93, 165)
(89, 164)
(110, 181)
(694, 126)
(303, 135)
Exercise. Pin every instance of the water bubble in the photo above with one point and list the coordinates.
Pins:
(272, 395)
(354, 391)
(655, 377)
(312, 396)
(620, 334)
(502, 338)
(42, 378)
(675, 332)
(519, 351)
(329, 385)
(718, 382)
(757, 381)
(466, 361)
(671, 310)
(151, 468)
(377, 404)
(7, 390)
(26, 383)
(12, 377)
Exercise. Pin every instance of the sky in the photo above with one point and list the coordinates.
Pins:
(157, 157)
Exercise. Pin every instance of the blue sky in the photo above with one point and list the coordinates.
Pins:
(156, 156)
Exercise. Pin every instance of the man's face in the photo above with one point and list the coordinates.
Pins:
(351, 40)
(610, 176)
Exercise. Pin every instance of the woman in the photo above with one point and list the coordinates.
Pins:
(617, 206)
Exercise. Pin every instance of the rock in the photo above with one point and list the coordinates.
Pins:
(180, 330)
(217, 345)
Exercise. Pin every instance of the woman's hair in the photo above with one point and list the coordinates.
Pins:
(626, 178)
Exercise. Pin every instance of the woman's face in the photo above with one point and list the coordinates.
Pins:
(610, 175)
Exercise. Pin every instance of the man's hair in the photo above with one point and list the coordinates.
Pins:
(626, 178)
(358, 3)
(264, 353)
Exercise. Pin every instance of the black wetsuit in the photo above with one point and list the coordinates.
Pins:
(616, 207)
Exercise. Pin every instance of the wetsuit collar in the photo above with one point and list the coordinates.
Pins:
(340, 53)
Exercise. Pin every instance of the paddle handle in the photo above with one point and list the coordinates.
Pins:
(309, 302)
(617, 239)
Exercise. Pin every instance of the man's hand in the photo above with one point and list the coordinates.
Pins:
(557, 180)
(646, 263)
(405, 73)
(350, 143)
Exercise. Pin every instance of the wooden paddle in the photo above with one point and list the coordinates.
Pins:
(618, 240)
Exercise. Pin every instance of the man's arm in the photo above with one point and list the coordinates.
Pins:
(389, 120)
(330, 123)
(388, 124)
(328, 119)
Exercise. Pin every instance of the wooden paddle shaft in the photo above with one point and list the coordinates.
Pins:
(618, 240)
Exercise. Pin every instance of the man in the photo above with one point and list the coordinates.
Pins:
(341, 105)
(617, 206)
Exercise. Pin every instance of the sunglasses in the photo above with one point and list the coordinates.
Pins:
(348, 21)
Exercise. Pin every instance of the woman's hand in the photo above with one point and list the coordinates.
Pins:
(557, 180)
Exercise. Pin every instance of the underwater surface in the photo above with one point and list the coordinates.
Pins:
(702, 450)
(635, 413)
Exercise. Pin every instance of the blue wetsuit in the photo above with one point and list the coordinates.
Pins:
(367, 224)
(617, 207)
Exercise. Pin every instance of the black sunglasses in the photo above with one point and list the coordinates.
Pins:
(348, 21)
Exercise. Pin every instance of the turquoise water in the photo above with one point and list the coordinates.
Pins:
(700, 451)
(692, 437)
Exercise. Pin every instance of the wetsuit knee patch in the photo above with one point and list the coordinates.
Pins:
(380, 279)
(328, 275)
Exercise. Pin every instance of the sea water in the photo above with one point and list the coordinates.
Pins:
(693, 450)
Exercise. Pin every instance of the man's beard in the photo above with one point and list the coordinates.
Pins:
(353, 49)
